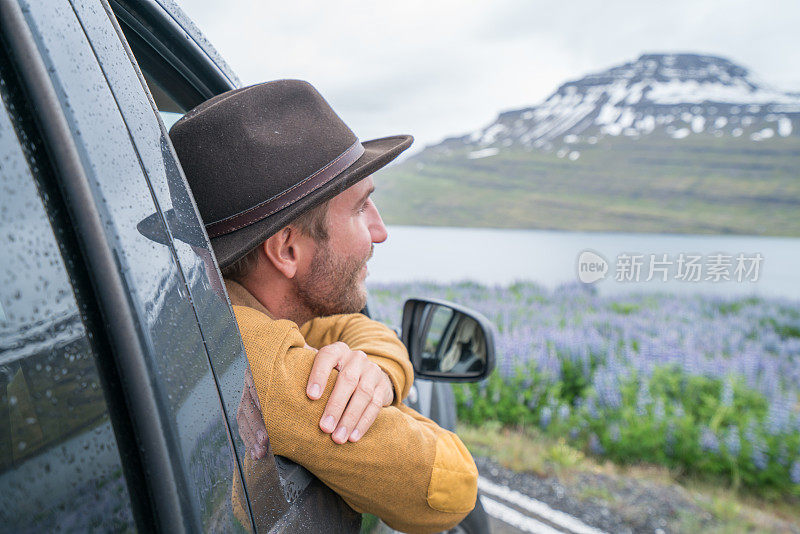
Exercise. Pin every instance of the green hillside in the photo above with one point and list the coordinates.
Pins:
(700, 185)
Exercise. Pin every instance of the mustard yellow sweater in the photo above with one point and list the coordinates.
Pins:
(414, 475)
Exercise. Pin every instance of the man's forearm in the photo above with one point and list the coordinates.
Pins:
(406, 470)
(378, 341)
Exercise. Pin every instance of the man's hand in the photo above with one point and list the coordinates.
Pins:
(251, 420)
(361, 390)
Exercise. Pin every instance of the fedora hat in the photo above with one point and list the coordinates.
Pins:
(258, 157)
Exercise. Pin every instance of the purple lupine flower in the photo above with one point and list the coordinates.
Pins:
(778, 415)
(759, 453)
(658, 410)
(794, 472)
(643, 399)
(709, 441)
(545, 416)
(591, 408)
(539, 329)
(595, 446)
(733, 442)
(527, 383)
(759, 457)
(549, 362)
(726, 399)
(613, 433)
(563, 412)
(606, 384)
(783, 454)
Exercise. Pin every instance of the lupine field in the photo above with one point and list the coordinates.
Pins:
(703, 385)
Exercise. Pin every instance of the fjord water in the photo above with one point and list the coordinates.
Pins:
(549, 258)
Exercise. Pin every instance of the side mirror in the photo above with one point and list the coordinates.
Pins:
(447, 342)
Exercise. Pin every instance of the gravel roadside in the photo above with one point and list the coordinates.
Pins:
(614, 504)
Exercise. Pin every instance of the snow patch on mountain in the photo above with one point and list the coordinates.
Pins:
(677, 95)
(485, 153)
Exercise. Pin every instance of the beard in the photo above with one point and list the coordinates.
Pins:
(333, 285)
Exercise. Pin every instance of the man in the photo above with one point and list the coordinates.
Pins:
(284, 188)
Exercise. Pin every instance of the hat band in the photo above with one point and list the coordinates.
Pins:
(290, 196)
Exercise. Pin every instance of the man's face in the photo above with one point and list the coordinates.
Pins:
(334, 282)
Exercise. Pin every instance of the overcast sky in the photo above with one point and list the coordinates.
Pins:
(438, 68)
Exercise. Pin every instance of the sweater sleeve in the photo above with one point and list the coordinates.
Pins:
(379, 343)
(414, 475)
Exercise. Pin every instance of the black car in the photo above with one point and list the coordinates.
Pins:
(121, 365)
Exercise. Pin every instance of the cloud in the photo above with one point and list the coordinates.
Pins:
(445, 67)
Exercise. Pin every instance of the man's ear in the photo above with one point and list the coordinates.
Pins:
(286, 250)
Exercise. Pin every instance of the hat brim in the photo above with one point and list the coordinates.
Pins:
(377, 153)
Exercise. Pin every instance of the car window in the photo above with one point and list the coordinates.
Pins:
(60, 467)
(169, 118)
(169, 110)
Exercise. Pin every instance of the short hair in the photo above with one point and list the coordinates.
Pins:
(239, 269)
(313, 224)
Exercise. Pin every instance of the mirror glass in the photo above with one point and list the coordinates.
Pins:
(452, 342)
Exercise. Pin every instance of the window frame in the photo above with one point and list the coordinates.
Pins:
(151, 30)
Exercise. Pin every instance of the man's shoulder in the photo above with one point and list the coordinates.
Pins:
(253, 322)
(275, 350)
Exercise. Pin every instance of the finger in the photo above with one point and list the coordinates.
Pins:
(361, 398)
(326, 359)
(346, 384)
(387, 389)
(367, 418)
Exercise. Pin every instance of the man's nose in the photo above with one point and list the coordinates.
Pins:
(377, 230)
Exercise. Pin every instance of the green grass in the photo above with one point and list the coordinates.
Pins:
(701, 185)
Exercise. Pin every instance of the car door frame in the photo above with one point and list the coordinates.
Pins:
(156, 505)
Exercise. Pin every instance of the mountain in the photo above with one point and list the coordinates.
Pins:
(677, 94)
(666, 143)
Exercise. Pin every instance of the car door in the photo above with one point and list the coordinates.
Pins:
(61, 461)
(183, 460)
